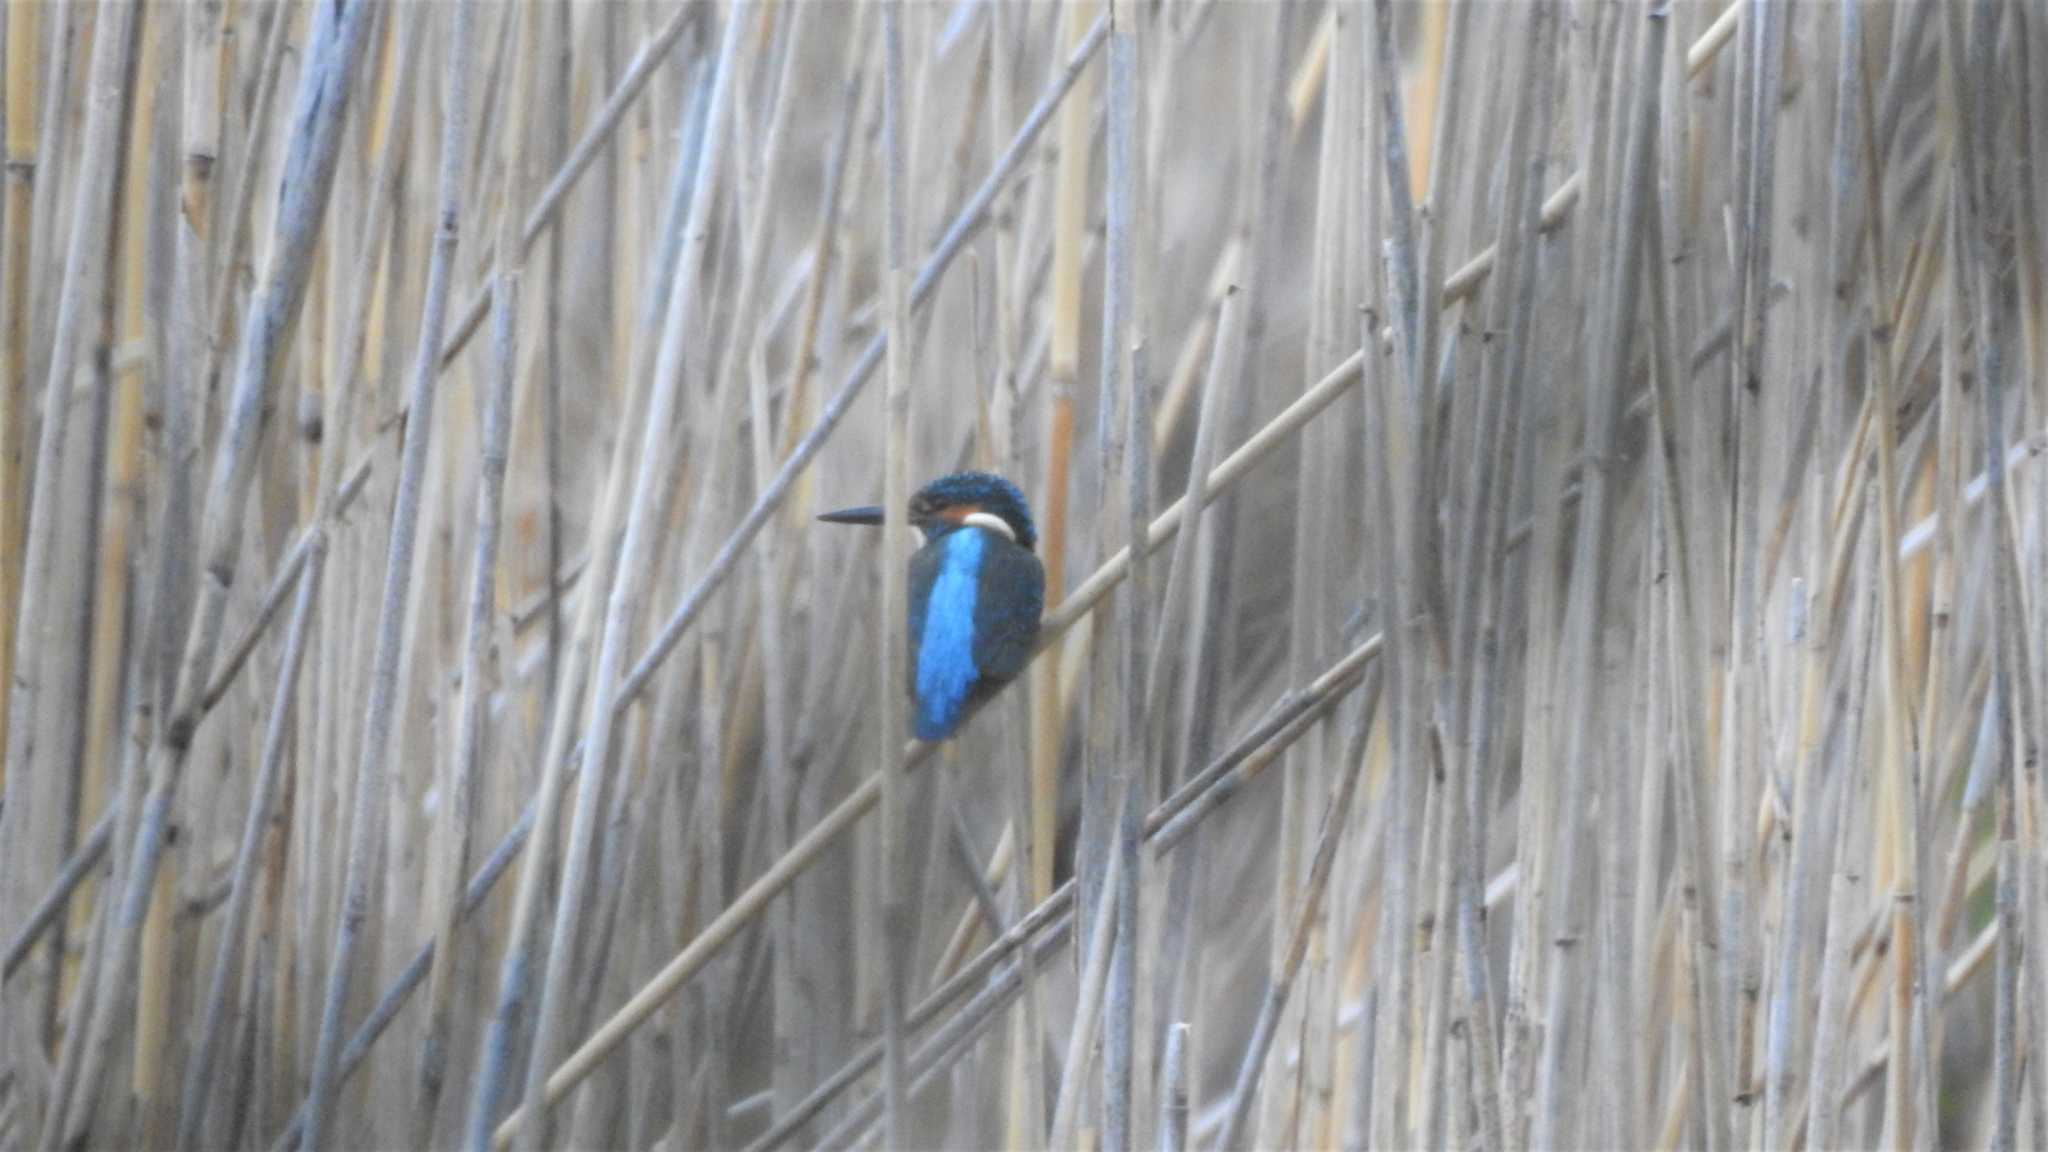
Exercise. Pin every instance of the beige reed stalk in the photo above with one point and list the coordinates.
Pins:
(24, 51)
(791, 1008)
(1047, 717)
(892, 912)
(1117, 702)
(1908, 1097)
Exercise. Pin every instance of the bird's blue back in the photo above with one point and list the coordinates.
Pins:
(975, 602)
(944, 626)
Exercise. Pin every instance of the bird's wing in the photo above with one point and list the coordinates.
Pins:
(924, 572)
(1006, 614)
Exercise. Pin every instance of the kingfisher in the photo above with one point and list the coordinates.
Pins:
(976, 589)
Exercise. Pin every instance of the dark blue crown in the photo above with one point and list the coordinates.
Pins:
(985, 490)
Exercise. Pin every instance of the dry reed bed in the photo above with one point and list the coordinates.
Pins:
(1539, 502)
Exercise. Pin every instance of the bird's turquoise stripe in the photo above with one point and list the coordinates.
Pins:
(945, 658)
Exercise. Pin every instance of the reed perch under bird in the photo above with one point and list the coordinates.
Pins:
(976, 589)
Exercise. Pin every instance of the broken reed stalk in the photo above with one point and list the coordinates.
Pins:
(1173, 1091)
(203, 107)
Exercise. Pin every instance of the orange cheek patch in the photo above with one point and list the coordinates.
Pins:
(959, 513)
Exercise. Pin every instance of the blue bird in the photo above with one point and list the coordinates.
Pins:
(976, 593)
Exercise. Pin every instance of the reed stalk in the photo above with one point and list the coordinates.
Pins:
(24, 50)
(378, 715)
(457, 784)
(201, 1069)
(1119, 703)
(1047, 715)
(1281, 984)
(892, 909)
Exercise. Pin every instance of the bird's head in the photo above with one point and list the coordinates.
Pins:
(950, 503)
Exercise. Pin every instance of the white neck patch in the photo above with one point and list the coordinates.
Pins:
(992, 522)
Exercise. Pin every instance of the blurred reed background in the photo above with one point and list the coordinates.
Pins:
(1539, 498)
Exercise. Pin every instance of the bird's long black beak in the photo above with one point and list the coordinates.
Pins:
(865, 514)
